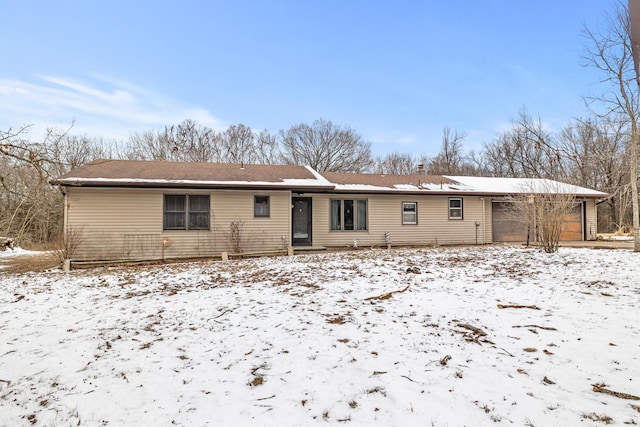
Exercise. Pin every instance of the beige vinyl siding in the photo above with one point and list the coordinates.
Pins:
(110, 222)
(258, 233)
(385, 215)
(591, 211)
(128, 223)
(486, 225)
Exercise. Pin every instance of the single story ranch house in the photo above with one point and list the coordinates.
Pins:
(129, 209)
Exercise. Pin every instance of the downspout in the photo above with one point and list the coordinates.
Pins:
(484, 232)
(66, 263)
(290, 214)
(65, 215)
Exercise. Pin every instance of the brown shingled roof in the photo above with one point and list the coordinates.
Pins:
(157, 173)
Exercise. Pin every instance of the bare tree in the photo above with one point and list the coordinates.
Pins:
(325, 147)
(526, 150)
(72, 151)
(612, 52)
(201, 143)
(30, 209)
(545, 207)
(188, 142)
(143, 146)
(267, 149)
(477, 164)
(15, 146)
(396, 164)
(238, 143)
(594, 152)
(450, 158)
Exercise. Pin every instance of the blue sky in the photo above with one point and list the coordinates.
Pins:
(397, 72)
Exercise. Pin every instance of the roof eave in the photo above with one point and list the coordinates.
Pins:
(198, 186)
(448, 193)
(300, 188)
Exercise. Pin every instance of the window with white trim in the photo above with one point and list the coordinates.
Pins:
(409, 213)
(455, 208)
(348, 215)
(186, 212)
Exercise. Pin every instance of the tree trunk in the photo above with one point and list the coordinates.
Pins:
(634, 184)
(633, 26)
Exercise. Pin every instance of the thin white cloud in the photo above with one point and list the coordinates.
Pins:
(100, 106)
(393, 138)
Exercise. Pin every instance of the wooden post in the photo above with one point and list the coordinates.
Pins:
(225, 256)
(290, 251)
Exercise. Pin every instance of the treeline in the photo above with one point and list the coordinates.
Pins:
(591, 153)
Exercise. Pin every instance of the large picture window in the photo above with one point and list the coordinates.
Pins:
(348, 215)
(186, 212)
(455, 209)
(409, 213)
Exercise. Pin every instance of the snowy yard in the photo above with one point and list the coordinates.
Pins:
(481, 336)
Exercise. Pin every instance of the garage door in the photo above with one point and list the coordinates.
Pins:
(506, 226)
(572, 227)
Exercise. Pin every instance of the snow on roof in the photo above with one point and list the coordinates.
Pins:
(373, 183)
(491, 185)
(285, 183)
(138, 173)
(447, 188)
(381, 183)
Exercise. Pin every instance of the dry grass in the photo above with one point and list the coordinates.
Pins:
(337, 320)
(256, 381)
(601, 418)
(29, 263)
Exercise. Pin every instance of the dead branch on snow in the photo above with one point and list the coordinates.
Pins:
(387, 295)
(546, 328)
(533, 307)
(599, 389)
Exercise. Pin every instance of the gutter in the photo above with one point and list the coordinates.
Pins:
(443, 193)
(221, 186)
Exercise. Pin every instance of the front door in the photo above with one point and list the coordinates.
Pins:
(301, 221)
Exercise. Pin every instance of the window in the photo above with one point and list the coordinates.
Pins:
(174, 211)
(198, 212)
(348, 215)
(361, 225)
(409, 213)
(261, 206)
(336, 218)
(186, 212)
(455, 208)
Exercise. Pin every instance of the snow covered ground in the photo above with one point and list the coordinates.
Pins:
(481, 336)
(16, 252)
